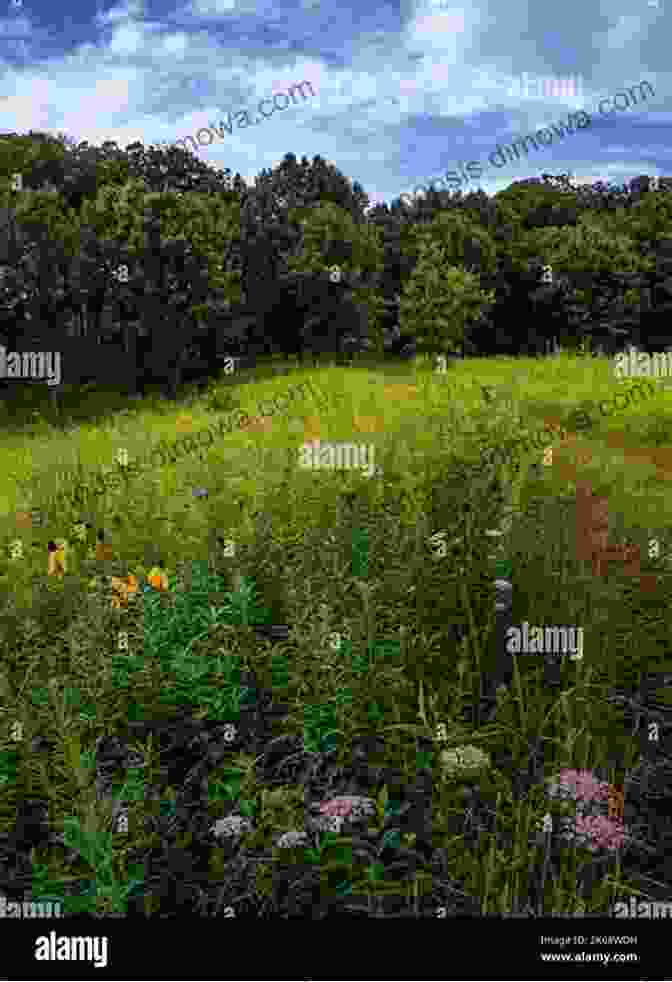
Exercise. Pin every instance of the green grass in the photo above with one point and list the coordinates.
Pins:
(370, 651)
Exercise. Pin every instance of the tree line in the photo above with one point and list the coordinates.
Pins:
(145, 262)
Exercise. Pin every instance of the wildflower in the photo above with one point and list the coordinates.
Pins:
(312, 427)
(369, 424)
(259, 423)
(157, 578)
(121, 587)
(599, 832)
(57, 565)
(232, 826)
(348, 806)
(582, 786)
(464, 761)
(291, 839)
(594, 831)
(396, 391)
(327, 823)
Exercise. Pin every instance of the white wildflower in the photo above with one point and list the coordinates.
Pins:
(232, 825)
(328, 823)
(465, 761)
(290, 839)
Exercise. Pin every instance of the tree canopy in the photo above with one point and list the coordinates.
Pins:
(153, 242)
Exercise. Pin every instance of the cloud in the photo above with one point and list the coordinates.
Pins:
(402, 91)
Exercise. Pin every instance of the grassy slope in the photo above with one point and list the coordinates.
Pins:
(402, 415)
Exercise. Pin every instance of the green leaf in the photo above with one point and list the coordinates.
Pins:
(72, 696)
(503, 569)
(424, 759)
(391, 839)
(247, 807)
(375, 712)
(375, 871)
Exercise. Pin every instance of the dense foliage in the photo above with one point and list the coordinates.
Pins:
(160, 254)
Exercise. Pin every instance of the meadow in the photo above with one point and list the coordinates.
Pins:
(252, 692)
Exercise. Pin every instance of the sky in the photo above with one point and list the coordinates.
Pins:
(399, 93)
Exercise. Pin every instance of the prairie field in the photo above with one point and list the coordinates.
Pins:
(286, 705)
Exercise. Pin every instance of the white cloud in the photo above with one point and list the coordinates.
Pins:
(398, 95)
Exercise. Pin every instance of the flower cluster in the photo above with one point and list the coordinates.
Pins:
(589, 827)
(291, 839)
(332, 813)
(581, 786)
(600, 832)
(350, 806)
(231, 826)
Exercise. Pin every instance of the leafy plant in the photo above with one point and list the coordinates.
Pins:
(133, 788)
(220, 698)
(319, 730)
(279, 671)
(96, 849)
(8, 766)
(360, 553)
(341, 851)
(228, 786)
(241, 607)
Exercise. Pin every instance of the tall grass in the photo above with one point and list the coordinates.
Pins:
(346, 562)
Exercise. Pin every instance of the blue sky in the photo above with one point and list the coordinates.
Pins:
(402, 94)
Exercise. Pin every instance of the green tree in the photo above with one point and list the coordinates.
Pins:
(330, 239)
(439, 300)
(272, 216)
(462, 241)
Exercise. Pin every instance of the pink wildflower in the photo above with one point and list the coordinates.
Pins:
(345, 806)
(583, 785)
(600, 832)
